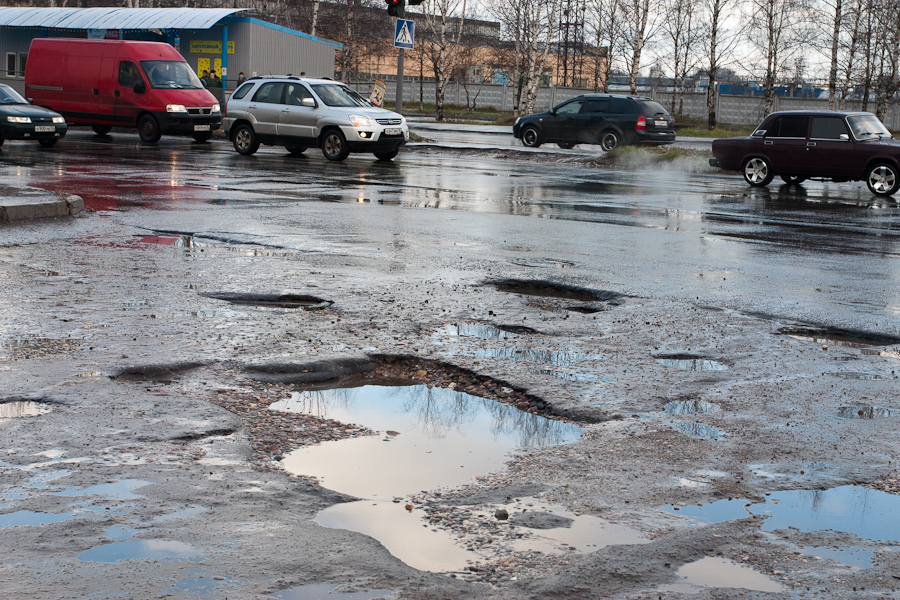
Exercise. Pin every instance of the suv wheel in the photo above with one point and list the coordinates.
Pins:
(609, 140)
(387, 155)
(883, 179)
(244, 140)
(530, 137)
(334, 145)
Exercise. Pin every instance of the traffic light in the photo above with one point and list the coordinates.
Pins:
(393, 7)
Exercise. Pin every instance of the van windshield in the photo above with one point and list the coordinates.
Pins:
(170, 74)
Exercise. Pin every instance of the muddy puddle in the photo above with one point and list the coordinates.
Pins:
(868, 514)
(13, 410)
(329, 591)
(286, 300)
(141, 550)
(689, 362)
(689, 407)
(555, 358)
(699, 430)
(430, 440)
(839, 337)
(713, 572)
(477, 330)
(865, 412)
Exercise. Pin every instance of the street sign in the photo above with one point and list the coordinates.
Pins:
(403, 35)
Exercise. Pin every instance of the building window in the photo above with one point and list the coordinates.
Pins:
(23, 58)
(10, 64)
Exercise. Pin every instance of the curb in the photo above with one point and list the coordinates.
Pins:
(69, 205)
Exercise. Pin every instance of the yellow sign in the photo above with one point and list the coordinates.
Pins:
(209, 47)
(377, 95)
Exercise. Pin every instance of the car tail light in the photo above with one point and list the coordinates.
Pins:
(641, 124)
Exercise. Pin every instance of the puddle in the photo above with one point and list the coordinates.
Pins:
(117, 533)
(559, 359)
(699, 430)
(865, 412)
(328, 591)
(690, 407)
(33, 519)
(272, 300)
(868, 514)
(12, 410)
(436, 438)
(479, 330)
(860, 375)
(574, 376)
(839, 337)
(118, 490)
(544, 263)
(689, 362)
(713, 572)
(549, 289)
(884, 353)
(852, 556)
(585, 310)
(203, 583)
(140, 550)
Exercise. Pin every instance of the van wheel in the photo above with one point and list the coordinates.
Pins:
(386, 155)
(148, 129)
(1, 140)
(101, 129)
(295, 150)
(244, 140)
(48, 143)
(202, 136)
(334, 145)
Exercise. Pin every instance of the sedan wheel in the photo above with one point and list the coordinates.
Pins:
(47, 143)
(245, 141)
(883, 180)
(757, 172)
(530, 137)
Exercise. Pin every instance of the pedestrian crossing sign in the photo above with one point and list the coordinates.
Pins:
(403, 35)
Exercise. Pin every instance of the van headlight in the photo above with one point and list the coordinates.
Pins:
(176, 108)
(360, 121)
(216, 108)
(59, 120)
(18, 119)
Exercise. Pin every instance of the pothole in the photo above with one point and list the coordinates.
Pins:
(689, 407)
(714, 572)
(293, 301)
(559, 359)
(329, 591)
(23, 408)
(699, 430)
(839, 337)
(689, 362)
(865, 412)
(860, 375)
(155, 550)
(478, 330)
(574, 376)
(157, 372)
(549, 289)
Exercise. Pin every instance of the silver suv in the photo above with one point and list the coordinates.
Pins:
(301, 113)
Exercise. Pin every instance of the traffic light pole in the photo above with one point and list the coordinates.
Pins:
(398, 104)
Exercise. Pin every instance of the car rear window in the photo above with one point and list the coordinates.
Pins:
(649, 107)
(242, 91)
(789, 127)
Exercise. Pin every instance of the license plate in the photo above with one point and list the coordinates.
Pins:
(201, 127)
(392, 131)
(662, 123)
(44, 128)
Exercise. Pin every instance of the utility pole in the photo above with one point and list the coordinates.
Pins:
(398, 104)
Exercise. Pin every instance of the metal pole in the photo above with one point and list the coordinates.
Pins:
(398, 103)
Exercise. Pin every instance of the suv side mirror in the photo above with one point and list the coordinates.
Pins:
(139, 86)
(308, 102)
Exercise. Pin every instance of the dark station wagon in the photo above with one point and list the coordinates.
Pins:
(800, 145)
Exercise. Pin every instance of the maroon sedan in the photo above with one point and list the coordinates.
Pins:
(800, 145)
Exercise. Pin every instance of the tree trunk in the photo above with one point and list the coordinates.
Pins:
(638, 47)
(315, 18)
(711, 90)
(832, 72)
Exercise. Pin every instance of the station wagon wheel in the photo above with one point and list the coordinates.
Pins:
(386, 155)
(566, 145)
(757, 172)
(530, 137)
(883, 179)
(244, 140)
(334, 145)
(609, 140)
(149, 129)
(792, 179)
(48, 143)
(295, 150)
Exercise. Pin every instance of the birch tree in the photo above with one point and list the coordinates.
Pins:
(444, 20)
(637, 29)
(680, 29)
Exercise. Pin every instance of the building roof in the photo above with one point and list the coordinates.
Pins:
(114, 18)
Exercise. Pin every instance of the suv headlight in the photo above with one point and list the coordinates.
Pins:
(176, 108)
(59, 120)
(18, 119)
(360, 121)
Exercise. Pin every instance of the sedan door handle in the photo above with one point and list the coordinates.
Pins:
(285, 110)
(768, 142)
(810, 144)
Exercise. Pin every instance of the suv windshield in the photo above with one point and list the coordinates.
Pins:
(10, 96)
(170, 74)
(338, 95)
(867, 127)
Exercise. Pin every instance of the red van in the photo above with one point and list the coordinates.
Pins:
(120, 83)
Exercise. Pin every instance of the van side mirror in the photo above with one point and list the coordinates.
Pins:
(139, 86)
(308, 102)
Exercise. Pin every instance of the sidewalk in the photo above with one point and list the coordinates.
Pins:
(19, 204)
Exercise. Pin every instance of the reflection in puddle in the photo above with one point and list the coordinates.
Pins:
(690, 407)
(690, 363)
(853, 556)
(438, 438)
(479, 330)
(119, 490)
(117, 533)
(141, 549)
(559, 359)
(864, 412)
(839, 337)
(861, 375)
(866, 513)
(33, 519)
(574, 376)
(328, 591)
(202, 584)
(10, 410)
(699, 430)
(719, 573)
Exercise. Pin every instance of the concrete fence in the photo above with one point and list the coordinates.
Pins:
(737, 110)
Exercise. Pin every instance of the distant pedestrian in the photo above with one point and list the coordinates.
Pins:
(241, 79)
(302, 73)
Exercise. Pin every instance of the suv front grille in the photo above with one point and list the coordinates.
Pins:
(389, 121)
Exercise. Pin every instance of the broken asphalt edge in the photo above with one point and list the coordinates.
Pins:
(24, 209)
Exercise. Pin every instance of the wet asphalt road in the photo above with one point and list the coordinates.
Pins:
(822, 252)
